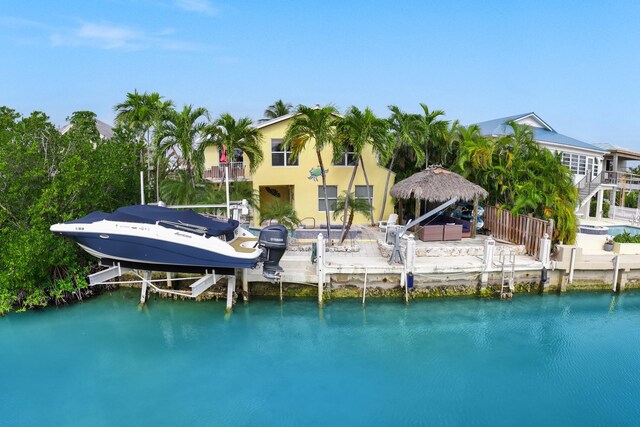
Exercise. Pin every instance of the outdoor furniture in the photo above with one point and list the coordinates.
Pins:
(431, 233)
(452, 232)
(393, 220)
(466, 227)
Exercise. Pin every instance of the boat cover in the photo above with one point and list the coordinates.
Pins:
(149, 214)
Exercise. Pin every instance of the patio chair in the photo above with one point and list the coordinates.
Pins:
(393, 220)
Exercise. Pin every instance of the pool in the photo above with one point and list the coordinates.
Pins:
(619, 229)
(568, 359)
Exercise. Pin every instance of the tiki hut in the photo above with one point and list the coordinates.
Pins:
(437, 184)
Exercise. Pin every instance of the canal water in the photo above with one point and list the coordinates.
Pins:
(572, 359)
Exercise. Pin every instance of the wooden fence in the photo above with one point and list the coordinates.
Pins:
(518, 229)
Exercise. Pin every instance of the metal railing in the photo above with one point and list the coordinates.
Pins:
(630, 180)
(236, 172)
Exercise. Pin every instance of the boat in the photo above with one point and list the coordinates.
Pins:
(157, 238)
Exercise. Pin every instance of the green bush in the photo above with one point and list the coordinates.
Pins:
(627, 238)
(605, 208)
(46, 178)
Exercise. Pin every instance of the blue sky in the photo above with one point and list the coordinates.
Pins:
(575, 63)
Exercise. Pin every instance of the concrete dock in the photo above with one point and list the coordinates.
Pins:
(461, 264)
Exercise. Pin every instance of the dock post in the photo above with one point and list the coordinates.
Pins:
(545, 250)
(572, 265)
(320, 267)
(245, 284)
(487, 261)
(145, 281)
(169, 279)
(364, 288)
(231, 287)
(616, 267)
(411, 254)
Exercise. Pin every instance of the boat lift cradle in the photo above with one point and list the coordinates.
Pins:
(117, 269)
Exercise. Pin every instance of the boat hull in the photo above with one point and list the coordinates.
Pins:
(155, 252)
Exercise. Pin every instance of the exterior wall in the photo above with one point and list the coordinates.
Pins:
(305, 189)
(295, 185)
(530, 121)
(597, 158)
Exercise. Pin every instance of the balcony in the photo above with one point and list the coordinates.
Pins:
(236, 173)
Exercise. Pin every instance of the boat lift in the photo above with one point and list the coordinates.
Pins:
(396, 253)
(117, 269)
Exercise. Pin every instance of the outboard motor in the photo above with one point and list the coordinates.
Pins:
(273, 242)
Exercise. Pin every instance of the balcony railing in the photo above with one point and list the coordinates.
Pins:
(622, 179)
(236, 172)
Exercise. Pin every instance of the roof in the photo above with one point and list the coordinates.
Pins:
(270, 122)
(541, 134)
(437, 184)
(104, 129)
(274, 121)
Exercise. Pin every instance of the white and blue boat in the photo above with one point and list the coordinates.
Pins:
(161, 239)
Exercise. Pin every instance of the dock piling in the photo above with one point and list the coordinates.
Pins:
(364, 288)
(245, 284)
(320, 268)
(145, 282)
(231, 288)
(616, 267)
(572, 264)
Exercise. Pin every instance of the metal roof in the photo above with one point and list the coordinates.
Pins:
(104, 129)
(501, 127)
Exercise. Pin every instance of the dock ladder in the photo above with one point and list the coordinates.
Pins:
(508, 270)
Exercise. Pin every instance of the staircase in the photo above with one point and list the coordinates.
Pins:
(587, 188)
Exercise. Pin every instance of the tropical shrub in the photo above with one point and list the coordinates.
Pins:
(45, 178)
(280, 211)
(627, 238)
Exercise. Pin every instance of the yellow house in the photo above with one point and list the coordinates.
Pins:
(298, 182)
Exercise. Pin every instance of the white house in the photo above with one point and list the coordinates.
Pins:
(585, 160)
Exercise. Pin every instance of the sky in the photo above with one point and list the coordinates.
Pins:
(574, 63)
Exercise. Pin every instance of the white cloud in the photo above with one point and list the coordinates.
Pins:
(199, 6)
(107, 36)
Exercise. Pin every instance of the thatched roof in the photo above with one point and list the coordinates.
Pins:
(437, 184)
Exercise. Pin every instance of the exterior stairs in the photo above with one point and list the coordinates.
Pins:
(587, 188)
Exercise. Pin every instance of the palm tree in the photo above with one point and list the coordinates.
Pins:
(475, 155)
(182, 131)
(403, 129)
(277, 109)
(354, 205)
(355, 131)
(282, 212)
(317, 124)
(142, 113)
(432, 131)
(178, 190)
(234, 135)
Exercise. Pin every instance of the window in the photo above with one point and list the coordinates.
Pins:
(361, 192)
(346, 159)
(280, 154)
(332, 196)
(576, 162)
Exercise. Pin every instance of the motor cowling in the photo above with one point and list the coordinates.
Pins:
(273, 242)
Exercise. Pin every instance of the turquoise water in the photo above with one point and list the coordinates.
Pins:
(619, 229)
(572, 359)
